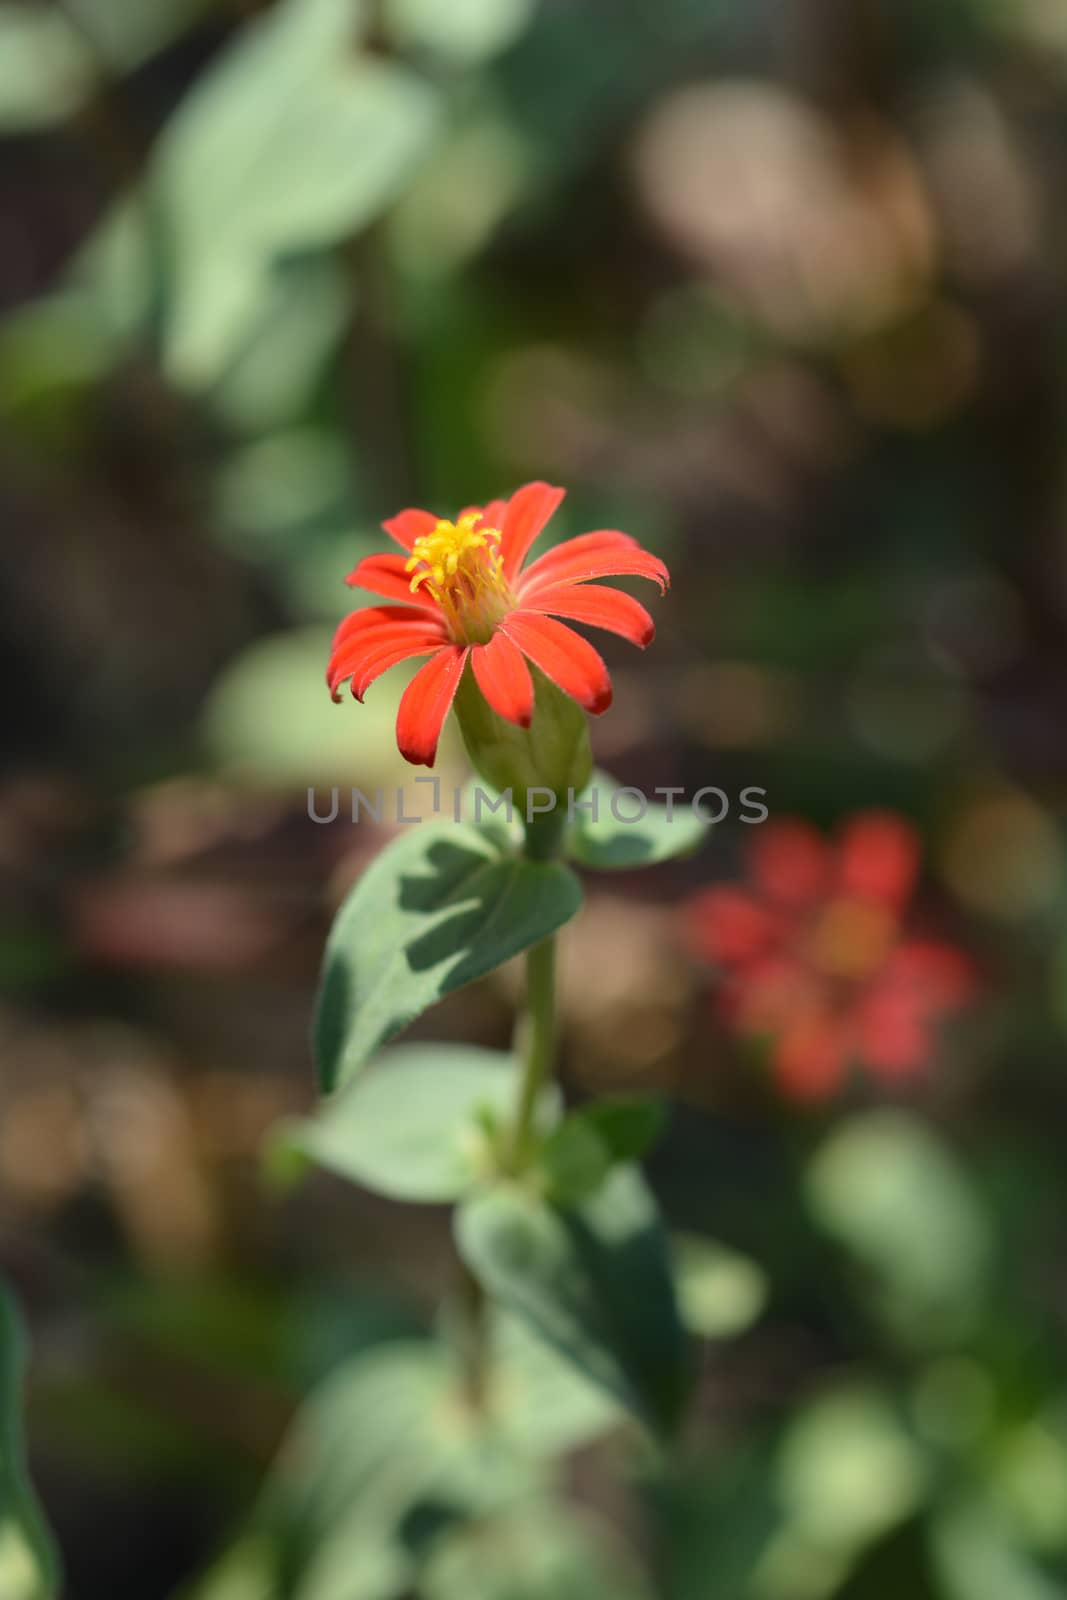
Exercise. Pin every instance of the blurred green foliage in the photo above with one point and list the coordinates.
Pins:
(777, 288)
(28, 1569)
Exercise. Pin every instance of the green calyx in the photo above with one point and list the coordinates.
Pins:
(552, 753)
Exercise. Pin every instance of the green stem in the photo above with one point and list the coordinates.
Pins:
(544, 834)
(472, 1336)
(538, 1032)
(539, 1038)
(538, 1027)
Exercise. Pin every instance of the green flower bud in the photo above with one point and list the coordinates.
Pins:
(552, 753)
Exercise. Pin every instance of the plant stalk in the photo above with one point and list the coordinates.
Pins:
(538, 1045)
(472, 1336)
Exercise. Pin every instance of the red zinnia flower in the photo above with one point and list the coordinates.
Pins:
(816, 958)
(467, 595)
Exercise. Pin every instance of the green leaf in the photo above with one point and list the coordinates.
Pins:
(248, 1570)
(46, 71)
(417, 1125)
(898, 1199)
(360, 1452)
(593, 1280)
(717, 1520)
(464, 31)
(976, 1558)
(28, 1565)
(626, 1124)
(573, 1162)
(721, 1293)
(342, 1568)
(306, 739)
(1028, 1480)
(848, 1471)
(538, 1399)
(50, 345)
(291, 142)
(539, 1552)
(384, 1432)
(442, 905)
(305, 307)
(578, 1155)
(389, 1436)
(477, 801)
(390, 1443)
(611, 840)
(279, 483)
(128, 32)
(482, 157)
(117, 272)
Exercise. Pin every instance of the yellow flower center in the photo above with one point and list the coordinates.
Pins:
(852, 938)
(458, 564)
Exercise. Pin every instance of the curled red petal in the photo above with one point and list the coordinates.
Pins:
(407, 526)
(504, 678)
(372, 617)
(356, 645)
(522, 519)
(562, 655)
(602, 554)
(372, 653)
(389, 655)
(599, 607)
(425, 704)
(387, 575)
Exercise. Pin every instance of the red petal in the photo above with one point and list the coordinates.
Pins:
(489, 516)
(523, 518)
(599, 607)
(372, 617)
(790, 862)
(772, 989)
(879, 857)
(372, 652)
(407, 526)
(564, 656)
(504, 679)
(938, 974)
(730, 927)
(425, 704)
(384, 655)
(810, 1059)
(893, 1035)
(387, 575)
(604, 554)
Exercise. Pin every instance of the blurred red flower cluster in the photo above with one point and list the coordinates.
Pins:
(816, 958)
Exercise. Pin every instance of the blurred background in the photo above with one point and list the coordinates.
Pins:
(776, 289)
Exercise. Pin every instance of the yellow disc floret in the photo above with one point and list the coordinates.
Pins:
(852, 937)
(458, 564)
